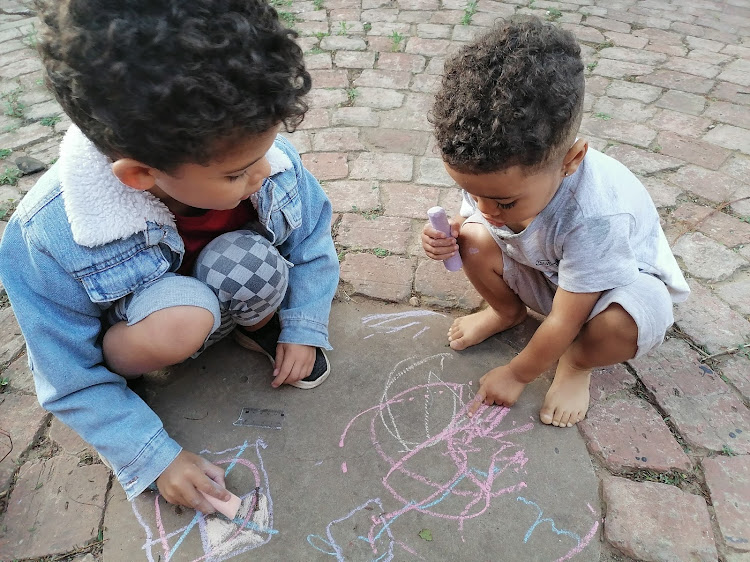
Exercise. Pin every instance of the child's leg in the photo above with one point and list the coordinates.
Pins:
(483, 264)
(159, 325)
(626, 322)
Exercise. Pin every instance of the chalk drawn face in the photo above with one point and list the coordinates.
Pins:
(220, 538)
(511, 197)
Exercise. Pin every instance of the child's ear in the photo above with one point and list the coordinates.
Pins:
(574, 156)
(133, 173)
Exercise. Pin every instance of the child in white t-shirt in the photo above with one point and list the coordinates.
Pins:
(546, 223)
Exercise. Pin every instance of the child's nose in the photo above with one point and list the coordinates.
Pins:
(486, 206)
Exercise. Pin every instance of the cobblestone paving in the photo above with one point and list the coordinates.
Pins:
(668, 94)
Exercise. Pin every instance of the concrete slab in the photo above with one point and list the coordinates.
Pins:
(378, 463)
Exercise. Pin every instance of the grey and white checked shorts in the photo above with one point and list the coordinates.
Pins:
(239, 276)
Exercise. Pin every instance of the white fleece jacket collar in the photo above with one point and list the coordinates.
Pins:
(102, 209)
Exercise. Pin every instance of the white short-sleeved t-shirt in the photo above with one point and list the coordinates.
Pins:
(598, 232)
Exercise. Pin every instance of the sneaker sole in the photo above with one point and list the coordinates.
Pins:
(252, 345)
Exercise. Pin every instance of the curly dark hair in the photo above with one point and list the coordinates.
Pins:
(513, 97)
(168, 82)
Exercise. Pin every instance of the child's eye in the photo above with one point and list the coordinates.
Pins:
(506, 205)
(235, 178)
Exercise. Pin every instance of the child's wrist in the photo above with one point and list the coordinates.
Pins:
(521, 375)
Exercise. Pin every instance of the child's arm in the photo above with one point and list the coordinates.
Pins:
(504, 385)
(62, 327)
(312, 281)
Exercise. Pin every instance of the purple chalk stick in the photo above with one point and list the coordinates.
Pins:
(439, 221)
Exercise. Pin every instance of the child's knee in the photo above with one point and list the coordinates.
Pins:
(476, 245)
(246, 272)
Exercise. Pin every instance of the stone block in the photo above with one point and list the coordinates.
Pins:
(728, 481)
(11, 338)
(19, 374)
(340, 139)
(326, 165)
(439, 287)
(728, 113)
(706, 259)
(621, 131)
(730, 137)
(390, 79)
(700, 152)
(395, 140)
(677, 81)
(633, 90)
(401, 62)
(642, 161)
(382, 166)
(681, 123)
(367, 233)
(432, 171)
(711, 185)
(388, 278)
(408, 200)
(607, 381)
(23, 419)
(629, 434)
(737, 71)
(347, 195)
(657, 522)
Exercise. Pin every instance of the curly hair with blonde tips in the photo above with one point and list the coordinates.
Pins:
(513, 97)
(170, 82)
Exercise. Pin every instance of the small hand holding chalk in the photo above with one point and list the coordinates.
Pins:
(228, 508)
(439, 221)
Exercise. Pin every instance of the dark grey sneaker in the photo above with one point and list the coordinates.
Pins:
(265, 340)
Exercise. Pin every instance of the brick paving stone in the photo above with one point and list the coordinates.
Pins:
(621, 131)
(709, 321)
(585, 34)
(337, 140)
(681, 123)
(401, 62)
(620, 69)
(429, 47)
(323, 98)
(404, 141)
(728, 481)
(379, 98)
(731, 92)
(439, 287)
(327, 79)
(731, 137)
(326, 165)
(355, 117)
(435, 66)
(68, 440)
(432, 171)
(633, 90)
(703, 408)
(663, 193)
(11, 339)
(411, 115)
(692, 66)
(705, 44)
(388, 278)
(736, 369)
(728, 113)
(708, 57)
(362, 233)
(348, 194)
(19, 375)
(630, 434)
(737, 51)
(678, 81)
(611, 25)
(706, 259)
(736, 292)
(642, 161)
(682, 102)
(337, 43)
(392, 79)
(300, 139)
(428, 83)
(450, 199)
(433, 31)
(720, 226)
(657, 522)
(22, 137)
(607, 381)
(659, 36)
(408, 200)
(382, 166)
(633, 55)
(316, 118)
(319, 61)
(597, 85)
(691, 150)
(56, 507)
(625, 40)
(737, 71)
(624, 109)
(467, 32)
(23, 418)
(712, 185)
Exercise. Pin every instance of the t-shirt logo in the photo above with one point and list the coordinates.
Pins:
(547, 263)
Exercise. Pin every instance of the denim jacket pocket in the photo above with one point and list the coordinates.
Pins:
(113, 279)
(286, 209)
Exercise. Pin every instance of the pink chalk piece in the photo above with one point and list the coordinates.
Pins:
(343, 467)
(228, 508)
(439, 221)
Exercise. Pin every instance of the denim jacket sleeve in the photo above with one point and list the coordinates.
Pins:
(62, 328)
(309, 247)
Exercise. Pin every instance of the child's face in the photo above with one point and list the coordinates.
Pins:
(223, 183)
(511, 197)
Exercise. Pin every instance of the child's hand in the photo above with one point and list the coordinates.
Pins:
(186, 475)
(437, 245)
(500, 386)
(294, 362)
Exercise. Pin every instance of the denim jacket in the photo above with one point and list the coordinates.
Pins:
(79, 240)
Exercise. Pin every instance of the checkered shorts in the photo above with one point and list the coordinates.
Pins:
(247, 274)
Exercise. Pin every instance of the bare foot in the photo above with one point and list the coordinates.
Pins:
(475, 328)
(567, 399)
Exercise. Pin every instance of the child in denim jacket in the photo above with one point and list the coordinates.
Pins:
(546, 222)
(174, 216)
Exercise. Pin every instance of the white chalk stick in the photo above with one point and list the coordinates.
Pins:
(228, 508)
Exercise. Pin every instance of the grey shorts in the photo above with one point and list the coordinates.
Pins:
(646, 299)
(239, 277)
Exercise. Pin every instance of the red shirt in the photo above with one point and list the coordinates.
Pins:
(198, 231)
